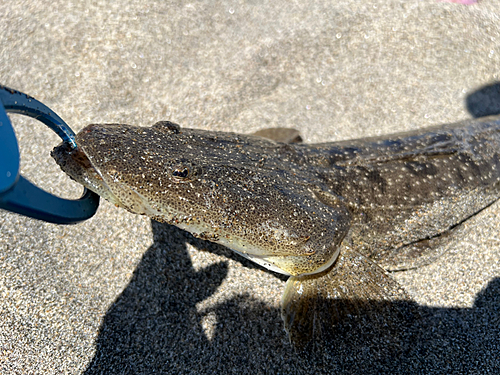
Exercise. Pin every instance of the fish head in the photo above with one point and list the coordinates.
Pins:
(218, 186)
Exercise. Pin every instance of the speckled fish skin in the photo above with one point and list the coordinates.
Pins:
(297, 209)
(233, 190)
(404, 188)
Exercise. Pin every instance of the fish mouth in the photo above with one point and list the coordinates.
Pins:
(76, 164)
(79, 166)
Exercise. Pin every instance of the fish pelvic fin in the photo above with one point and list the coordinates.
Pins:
(354, 306)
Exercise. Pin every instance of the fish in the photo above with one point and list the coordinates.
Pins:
(334, 217)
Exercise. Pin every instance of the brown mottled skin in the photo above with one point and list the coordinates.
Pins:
(294, 208)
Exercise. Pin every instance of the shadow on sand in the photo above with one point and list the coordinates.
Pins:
(154, 327)
(485, 101)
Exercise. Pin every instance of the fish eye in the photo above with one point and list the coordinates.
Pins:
(181, 173)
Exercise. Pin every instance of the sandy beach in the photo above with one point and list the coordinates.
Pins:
(120, 294)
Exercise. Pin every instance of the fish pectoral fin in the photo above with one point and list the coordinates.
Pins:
(354, 303)
(414, 255)
(285, 135)
(419, 253)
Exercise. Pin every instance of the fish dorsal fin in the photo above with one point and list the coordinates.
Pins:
(285, 135)
(354, 303)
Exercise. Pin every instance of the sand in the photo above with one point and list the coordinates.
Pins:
(119, 294)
